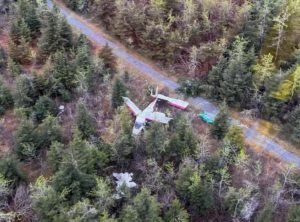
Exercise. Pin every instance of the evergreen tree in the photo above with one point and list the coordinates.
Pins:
(27, 10)
(19, 29)
(3, 59)
(63, 71)
(6, 99)
(79, 184)
(84, 121)
(144, 208)
(105, 11)
(292, 126)
(221, 123)
(176, 213)
(43, 108)
(46, 202)
(109, 59)
(10, 169)
(119, 90)
(155, 140)
(13, 68)
(237, 85)
(56, 35)
(54, 155)
(26, 141)
(20, 52)
(235, 136)
(200, 195)
(25, 95)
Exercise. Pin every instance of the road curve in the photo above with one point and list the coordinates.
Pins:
(251, 134)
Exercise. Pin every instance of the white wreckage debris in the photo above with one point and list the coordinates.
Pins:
(123, 179)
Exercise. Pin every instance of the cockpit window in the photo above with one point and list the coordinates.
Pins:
(138, 125)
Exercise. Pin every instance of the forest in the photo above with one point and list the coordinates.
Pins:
(65, 132)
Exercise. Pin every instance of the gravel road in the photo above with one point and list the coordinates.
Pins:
(251, 134)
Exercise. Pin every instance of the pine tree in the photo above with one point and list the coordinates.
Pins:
(65, 34)
(155, 140)
(13, 68)
(3, 59)
(237, 85)
(84, 121)
(20, 52)
(176, 213)
(200, 195)
(25, 94)
(105, 11)
(144, 208)
(109, 59)
(119, 90)
(54, 155)
(292, 126)
(63, 71)
(235, 136)
(43, 108)
(6, 99)
(221, 123)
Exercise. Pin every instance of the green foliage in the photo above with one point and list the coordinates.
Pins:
(144, 208)
(119, 90)
(30, 139)
(10, 169)
(56, 35)
(221, 123)
(106, 12)
(232, 79)
(25, 94)
(27, 11)
(176, 213)
(155, 137)
(183, 141)
(200, 195)
(54, 155)
(78, 183)
(84, 121)
(292, 126)
(13, 67)
(20, 52)
(294, 214)
(183, 181)
(48, 204)
(109, 59)
(265, 214)
(43, 108)
(3, 59)
(6, 99)
(289, 87)
(63, 72)
(235, 136)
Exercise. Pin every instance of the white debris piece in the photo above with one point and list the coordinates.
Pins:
(124, 178)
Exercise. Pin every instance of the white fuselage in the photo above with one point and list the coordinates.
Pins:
(141, 118)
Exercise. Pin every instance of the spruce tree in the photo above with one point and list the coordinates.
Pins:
(63, 71)
(176, 213)
(292, 126)
(84, 121)
(109, 59)
(3, 59)
(221, 123)
(13, 68)
(106, 11)
(43, 108)
(119, 90)
(6, 99)
(144, 208)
